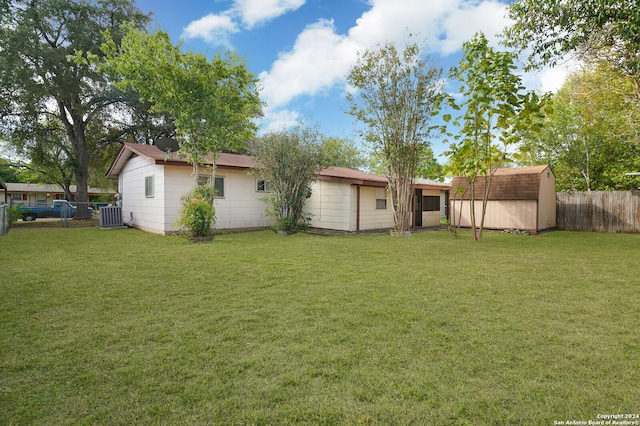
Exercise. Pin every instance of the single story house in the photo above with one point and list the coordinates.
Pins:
(151, 183)
(44, 194)
(519, 198)
(351, 200)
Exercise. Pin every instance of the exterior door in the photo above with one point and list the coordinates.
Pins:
(417, 212)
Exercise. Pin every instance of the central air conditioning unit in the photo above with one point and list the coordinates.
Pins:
(111, 217)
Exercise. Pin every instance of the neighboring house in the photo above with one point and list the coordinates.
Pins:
(519, 198)
(151, 183)
(44, 194)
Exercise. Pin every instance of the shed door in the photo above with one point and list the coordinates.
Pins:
(417, 212)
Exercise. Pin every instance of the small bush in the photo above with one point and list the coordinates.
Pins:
(13, 215)
(198, 214)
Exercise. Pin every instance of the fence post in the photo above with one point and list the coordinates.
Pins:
(4, 220)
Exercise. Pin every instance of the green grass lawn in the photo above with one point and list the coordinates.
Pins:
(125, 327)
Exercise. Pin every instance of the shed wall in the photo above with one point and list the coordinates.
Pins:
(547, 201)
(499, 215)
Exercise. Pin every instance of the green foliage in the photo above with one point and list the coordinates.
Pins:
(342, 152)
(13, 214)
(49, 74)
(396, 92)
(8, 172)
(598, 30)
(288, 161)
(495, 113)
(591, 139)
(197, 215)
(212, 103)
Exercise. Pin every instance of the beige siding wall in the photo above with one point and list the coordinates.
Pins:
(334, 205)
(499, 215)
(547, 203)
(370, 217)
(178, 181)
(329, 206)
(241, 206)
(137, 209)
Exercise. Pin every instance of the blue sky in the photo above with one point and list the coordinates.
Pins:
(302, 49)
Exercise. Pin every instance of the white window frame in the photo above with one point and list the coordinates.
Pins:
(264, 184)
(206, 179)
(149, 186)
(381, 198)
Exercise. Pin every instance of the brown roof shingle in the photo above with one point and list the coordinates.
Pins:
(340, 174)
(518, 183)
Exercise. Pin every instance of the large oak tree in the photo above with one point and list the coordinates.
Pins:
(49, 51)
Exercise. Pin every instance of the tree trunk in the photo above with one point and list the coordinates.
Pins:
(472, 211)
(76, 134)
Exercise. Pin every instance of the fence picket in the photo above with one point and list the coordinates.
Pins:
(598, 211)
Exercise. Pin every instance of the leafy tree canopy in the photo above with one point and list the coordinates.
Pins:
(289, 161)
(213, 103)
(596, 29)
(49, 75)
(342, 152)
(592, 138)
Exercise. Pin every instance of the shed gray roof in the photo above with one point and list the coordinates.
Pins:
(518, 183)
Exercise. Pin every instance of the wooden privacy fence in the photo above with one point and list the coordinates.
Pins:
(599, 211)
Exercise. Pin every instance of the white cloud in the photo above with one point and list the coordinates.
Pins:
(217, 27)
(321, 58)
(549, 79)
(460, 24)
(279, 119)
(211, 27)
(317, 61)
(257, 11)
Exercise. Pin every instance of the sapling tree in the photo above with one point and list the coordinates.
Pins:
(394, 96)
(494, 113)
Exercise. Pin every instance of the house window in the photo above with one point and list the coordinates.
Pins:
(381, 198)
(41, 199)
(431, 203)
(262, 186)
(16, 196)
(218, 187)
(148, 186)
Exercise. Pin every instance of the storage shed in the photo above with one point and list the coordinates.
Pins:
(519, 198)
